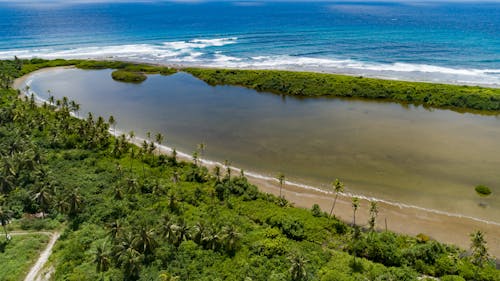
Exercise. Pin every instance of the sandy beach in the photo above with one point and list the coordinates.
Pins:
(447, 228)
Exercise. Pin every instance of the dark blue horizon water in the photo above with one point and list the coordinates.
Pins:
(442, 42)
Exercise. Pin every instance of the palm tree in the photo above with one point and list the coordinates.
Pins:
(102, 258)
(217, 172)
(201, 148)
(228, 168)
(199, 232)
(75, 107)
(168, 229)
(373, 214)
(131, 261)
(297, 269)
(478, 248)
(132, 156)
(230, 238)
(43, 199)
(51, 97)
(115, 230)
(159, 139)
(174, 156)
(281, 180)
(355, 206)
(338, 187)
(182, 232)
(75, 202)
(211, 239)
(195, 158)
(144, 241)
(112, 122)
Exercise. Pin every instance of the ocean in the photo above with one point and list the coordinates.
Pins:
(418, 41)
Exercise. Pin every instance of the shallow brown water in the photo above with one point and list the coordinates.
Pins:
(428, 158)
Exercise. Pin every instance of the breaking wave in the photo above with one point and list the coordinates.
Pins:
(214, 53)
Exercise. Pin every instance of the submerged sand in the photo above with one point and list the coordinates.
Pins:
(446, 228)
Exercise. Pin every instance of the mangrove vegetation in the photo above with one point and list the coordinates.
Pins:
(309, 84)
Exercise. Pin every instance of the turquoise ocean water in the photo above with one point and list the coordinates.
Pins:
(425, 41)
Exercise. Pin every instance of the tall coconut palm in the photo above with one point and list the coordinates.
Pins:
(112, 122)
(174, 156)
(159, 139)
(43, 199)
(144, 240)
(131, 261)
(338, 187)
(373, 214)
(355, 206)
(478, 248)
(195, 158)
(230, 238)
(102, 258)
(75, 202)
(75, 107)
(227, 164)
(281, 180)
(182, 232)
(217, 173)
(167, 229)
(115, 230)
(132, 154)
(201, 148)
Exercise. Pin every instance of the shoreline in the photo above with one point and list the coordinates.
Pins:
(400, 218)
(336, 71)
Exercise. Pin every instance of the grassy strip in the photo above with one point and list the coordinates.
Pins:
(129, 72)
(319, 84)
(20, 254)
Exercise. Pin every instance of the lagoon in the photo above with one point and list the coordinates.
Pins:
(430, 158)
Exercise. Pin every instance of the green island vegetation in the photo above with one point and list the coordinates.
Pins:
(482, 190)
(311, 84)
(19, 254)
(132, 213)
(128, 76)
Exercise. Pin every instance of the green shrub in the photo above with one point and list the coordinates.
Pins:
(483, 190)
(128, 76)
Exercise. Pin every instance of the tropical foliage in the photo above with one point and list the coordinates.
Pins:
(132, 214)
(321, 84)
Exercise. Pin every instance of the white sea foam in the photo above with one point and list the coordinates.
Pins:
(209, 52)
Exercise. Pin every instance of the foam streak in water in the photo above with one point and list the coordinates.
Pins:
(208, 52)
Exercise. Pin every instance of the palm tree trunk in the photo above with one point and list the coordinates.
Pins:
(333, 205)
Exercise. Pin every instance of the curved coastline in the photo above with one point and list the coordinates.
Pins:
(399, 217)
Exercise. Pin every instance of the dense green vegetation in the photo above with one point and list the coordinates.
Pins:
(128, 72)
(20, 254)
(128, 76)
(319, 84)
(482, 190)
(132, 214)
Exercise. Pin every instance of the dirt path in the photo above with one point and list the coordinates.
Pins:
(35, 270)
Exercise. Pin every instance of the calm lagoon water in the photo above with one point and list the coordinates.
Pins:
(426, 157)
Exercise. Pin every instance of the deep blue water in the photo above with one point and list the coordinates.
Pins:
(448, 42)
